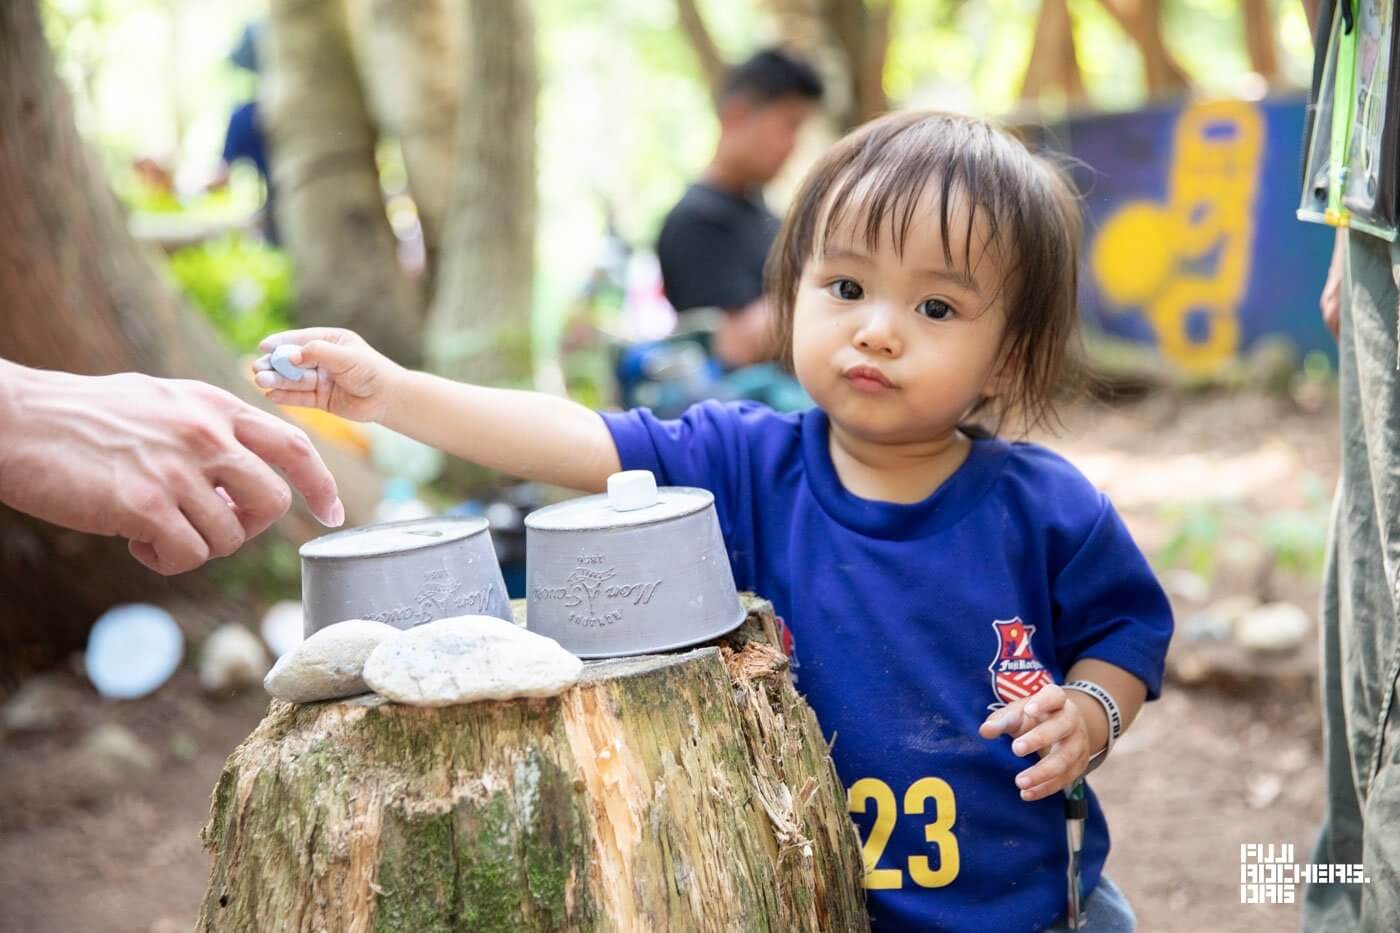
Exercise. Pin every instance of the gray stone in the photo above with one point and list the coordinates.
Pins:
(111, 754)
(231, 659)
(40, 704)
(1275, 627)
(469, 658)
(1185, 584)
(328, 665)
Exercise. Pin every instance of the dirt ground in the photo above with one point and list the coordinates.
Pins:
(1202, 771)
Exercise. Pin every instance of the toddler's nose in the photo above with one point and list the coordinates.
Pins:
(877, 335)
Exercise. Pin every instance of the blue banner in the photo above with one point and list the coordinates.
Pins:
(1191, 241)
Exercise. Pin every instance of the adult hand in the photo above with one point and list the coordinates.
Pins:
(1331, 300)
(181, 469)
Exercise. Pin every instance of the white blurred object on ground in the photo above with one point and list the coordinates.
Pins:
(231, 659)
(282, 627)
(1273, 627)
(132, 650)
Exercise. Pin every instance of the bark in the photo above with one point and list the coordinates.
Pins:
(330, 209)
(690, 791)
(1259, 39)
(78, 293)
(712, 64)
(862, 28)
(410, 64)
(479, 325)
(1054, 64)
(1142, 21)
(847, 40)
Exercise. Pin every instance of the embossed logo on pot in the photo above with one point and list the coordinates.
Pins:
(593, 595)
(441, 595)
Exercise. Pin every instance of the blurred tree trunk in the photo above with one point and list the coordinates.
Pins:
(410, 54)
(479, 324)
(77, 293)
(1054, 64)
(847, 40)
(1259, 39)
(330, 209)
(712, 64)
(1142, 21)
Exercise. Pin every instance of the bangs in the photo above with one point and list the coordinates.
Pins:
(882, 190)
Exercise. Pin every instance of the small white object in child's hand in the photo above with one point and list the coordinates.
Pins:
(281, 360)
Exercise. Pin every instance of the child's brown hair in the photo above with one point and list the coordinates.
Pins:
(1031, 216)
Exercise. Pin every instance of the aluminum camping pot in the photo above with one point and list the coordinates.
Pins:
(632, 571)
(402, 573)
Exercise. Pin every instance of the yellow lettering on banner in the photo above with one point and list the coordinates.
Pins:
(939, 832)
(1142, 255)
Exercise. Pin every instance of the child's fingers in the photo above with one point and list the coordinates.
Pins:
(1003, 721)
(310, 380)
(1057, 768)
(1041, 791)
(300, 336)
(1055, 729)
(328, 355)
(1045, 701)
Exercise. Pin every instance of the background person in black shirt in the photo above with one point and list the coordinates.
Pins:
(715, 240)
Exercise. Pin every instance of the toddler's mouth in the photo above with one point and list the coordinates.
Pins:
(867, 379)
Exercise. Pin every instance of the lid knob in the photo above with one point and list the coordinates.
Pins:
(631, 490)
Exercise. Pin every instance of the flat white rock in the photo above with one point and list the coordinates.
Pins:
(328, 665)
(469, 658)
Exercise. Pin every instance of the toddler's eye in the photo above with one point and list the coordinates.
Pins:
(846, 290)
(936, 309)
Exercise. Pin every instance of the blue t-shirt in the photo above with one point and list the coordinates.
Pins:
(909, 623)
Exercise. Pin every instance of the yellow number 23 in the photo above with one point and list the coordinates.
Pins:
(939, 832)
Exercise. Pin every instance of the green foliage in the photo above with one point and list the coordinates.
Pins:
(262, 571)
(1197, 533)
(243, 287)
(1293, 540)
(1297, 539)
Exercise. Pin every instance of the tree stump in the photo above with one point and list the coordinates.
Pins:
(690, 791)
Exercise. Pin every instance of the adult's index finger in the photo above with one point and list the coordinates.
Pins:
(289, 449)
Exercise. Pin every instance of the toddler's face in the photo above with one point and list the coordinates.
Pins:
(897, 348)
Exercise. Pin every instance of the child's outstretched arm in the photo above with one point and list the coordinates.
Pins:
(526, 434)
(1066, 727)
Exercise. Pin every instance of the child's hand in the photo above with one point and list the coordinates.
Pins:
(1049, 724)
(341, 373)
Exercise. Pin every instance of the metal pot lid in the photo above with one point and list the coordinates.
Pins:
(632, 499)
(393, 537)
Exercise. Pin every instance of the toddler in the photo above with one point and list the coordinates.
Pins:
(960, 605)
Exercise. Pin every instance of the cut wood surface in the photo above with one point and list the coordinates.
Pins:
(689, 791)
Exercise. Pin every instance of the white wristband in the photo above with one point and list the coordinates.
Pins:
(1110, 709)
